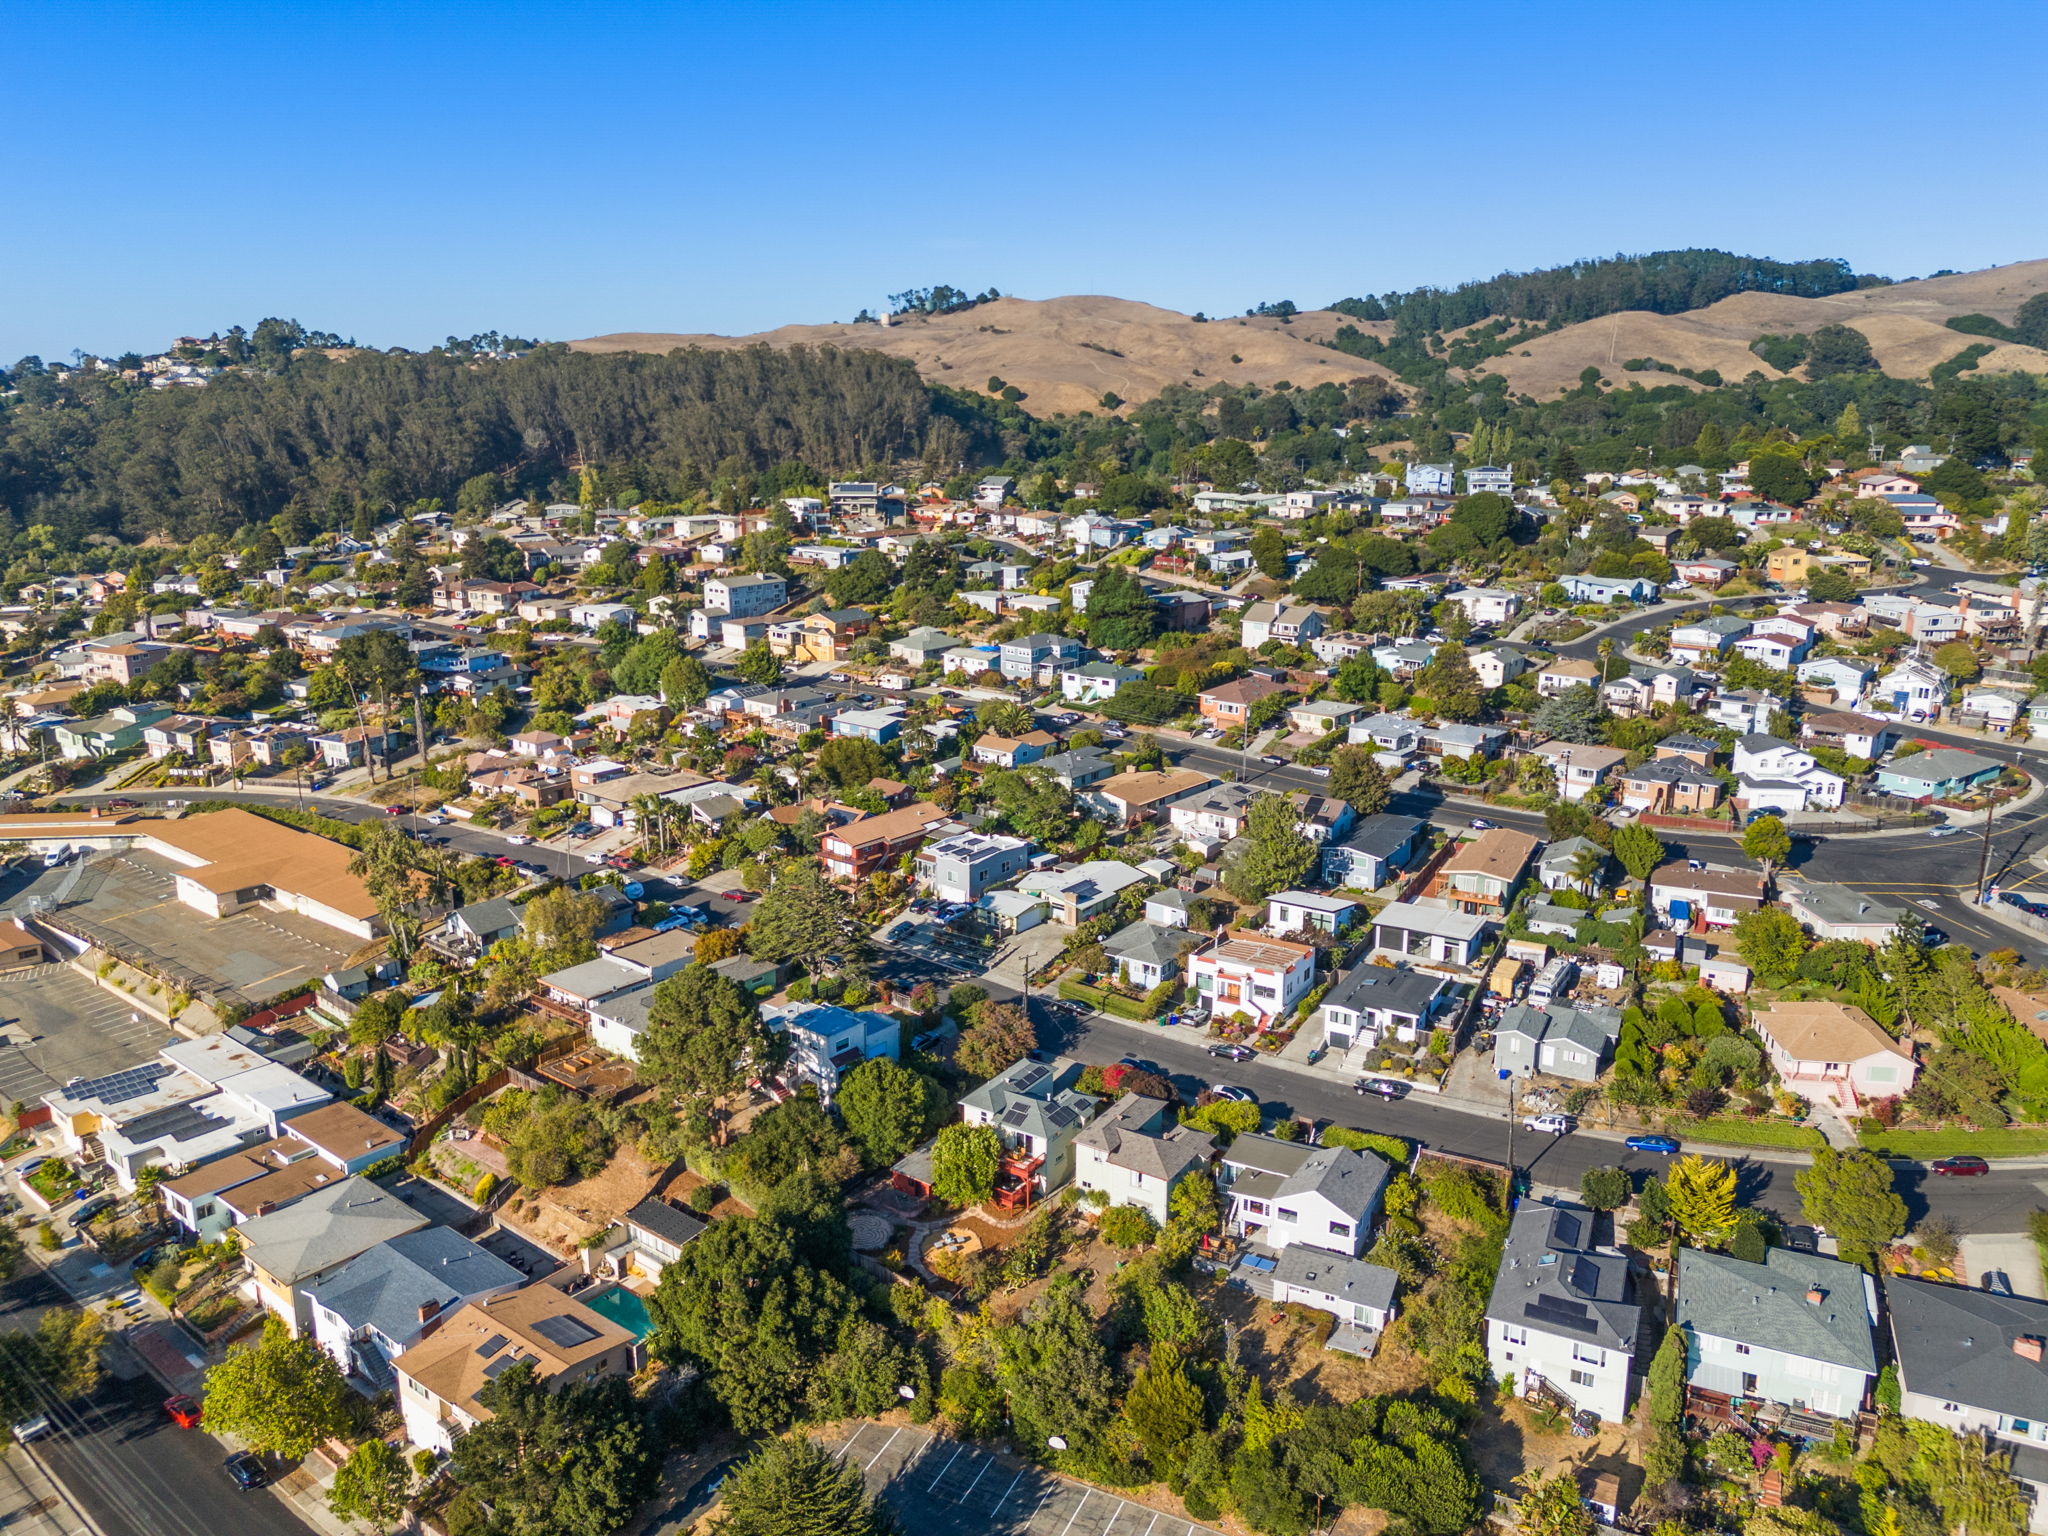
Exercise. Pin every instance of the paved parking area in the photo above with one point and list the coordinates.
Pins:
(943, 1487)
(62, 1025)
(2011, 1253)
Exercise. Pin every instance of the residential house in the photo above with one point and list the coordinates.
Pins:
(743, 597)
(1707, 639)
(441, 1379)
(1212, 818)
(1288, 623)
(1144, 795)
(1581, 769)
(826, 1042)
(1914, 688)
(290, 1251)
(1832, 1053)
(1396, 735)
(1774, 648)
(1674, 786)
(1086, 890)
(1642, 689)
(1575, 864)
(385, 1300)
(1487, 607)
(1230, 704)
(1145, 953)
(1286, 1194)
(1566, 672)
(1040, 657)
(352, 747)
(1482, 875)
(1996, 710)
(1013, 751)
(177, 734)
(1774, 774)
(1358, 1294)
(1261, 979)
(857, 849)
(1746, 711)
(1788, 565)
(1710, 897)
(470, 931)
(1321, 716)
(1369, 1002)
(1373, 850)
(921, 645)
(1130, 1155)
(1609, 589)
(315, 1150)
(1837, 912)
(1306, 912)
(1077, 770)
(880, 726)
(1797, 1329)
(1556, 1040)
(1876, 483)
(115, 731)
(826, 636)
(1498, 665)
(966, 866)
(1847, 680)
(1971, 1362)
(1431, 480)
(1427, 934)
(1564, 1311)
(1704, 571)
(1463, 742)
(1939, 774)
(1039, 1115)
(1096, 681)
(1863, 736)
(1487, 478)
(655, 1235)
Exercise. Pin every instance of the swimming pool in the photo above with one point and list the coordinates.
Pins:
(617, 1304)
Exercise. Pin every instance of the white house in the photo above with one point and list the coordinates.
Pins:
(1564, 1311)
(1914, 688)
(1834, 1054)
(1129, 1157)
(1096, 681)
(826, 1042)
(1486, 607)
(1283, 1194)
(1796, 1329)
(1370, 1002)
(1240, 976)
(1773, 774)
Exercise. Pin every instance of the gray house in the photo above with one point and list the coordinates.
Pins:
(1284, 1193)
(966, 866)
(382, 1302)
(1560, 1041)
(1564, 1310)
(1371, 852)
(472, 930)
(1796, 1329)
(1144, 954)
(1972, 1362)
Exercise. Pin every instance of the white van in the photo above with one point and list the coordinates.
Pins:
(1550, 1125)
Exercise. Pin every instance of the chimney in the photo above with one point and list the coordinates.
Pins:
(2028, 1347)
(1814, 1296)
(428, 1309)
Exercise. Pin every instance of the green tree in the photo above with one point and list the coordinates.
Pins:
(1056, 1373)
(1127, 1226)
(1550, 1505)
(1451, 685)
(888, 1108)
(685, 682)
(1665, 1400)
(1164, 1408)
(281, 1395)
(999, 1034)
(1638, 850)
(371, 1486)
(1780, 476)
(704, 1041)
(1971, 1482)
(758, 664)
(1770, 942)
(1958, 661)
(1575, 715)
(573, 1462)
(1832, 349)
(1851, 1195)
(1605, 1188)
(806, 918)
(795, 1487)
(1276, 856)
(964, 1163)
(1269, 552)
(1702, 1196)
(1768, 842)
(1359, 781)
(851, 762)
(1120, 612)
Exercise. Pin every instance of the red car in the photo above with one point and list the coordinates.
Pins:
(185, 1411)
(737, 895)
(394, 810)
(1960, 1167)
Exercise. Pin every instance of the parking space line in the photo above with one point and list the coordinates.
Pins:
(882, 1452)
(947, 1467)
(977, 1478)
(1086, 1495)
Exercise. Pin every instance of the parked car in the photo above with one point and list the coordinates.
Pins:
(1233, 1093)
(246, 1471)
(185, 1411)
(737, 895)
(1273, 760)
(1960, 1167)
(90, 1210)
(1481, 824)
(1549, 1125)
(517, 839)
(1232, 1052)
(1140, 1064)
(1320, 770)
(32, 1429)
(1379, 1088)
(1945, 832)
(1667, 1145)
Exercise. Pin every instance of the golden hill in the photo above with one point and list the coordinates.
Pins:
(1065, 353)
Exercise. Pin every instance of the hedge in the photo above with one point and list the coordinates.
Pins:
(1732, 1132)
(1392, 1148)
(2000, 1141)
(1105, 1001)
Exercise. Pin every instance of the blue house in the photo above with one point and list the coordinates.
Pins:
(880, 726)
(1371, 851)
(1609, 589)
(1942, 772)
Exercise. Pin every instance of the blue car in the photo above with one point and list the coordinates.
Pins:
(1664, 1144)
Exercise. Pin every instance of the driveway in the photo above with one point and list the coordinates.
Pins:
(2012, 1253)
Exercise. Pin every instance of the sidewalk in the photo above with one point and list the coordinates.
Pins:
(34, 1503)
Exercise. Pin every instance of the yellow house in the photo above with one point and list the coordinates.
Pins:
(819, 636)
(1848, 562)
(1788, 566)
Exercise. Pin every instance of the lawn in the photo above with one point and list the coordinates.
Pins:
(1733, 1132)
(2001, 1141)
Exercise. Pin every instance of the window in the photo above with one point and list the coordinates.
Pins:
(1748, 1382)
(201, 1212)
(1582, 1378)
(1287, 1215)
(1340, 1229)
(1742, 1349)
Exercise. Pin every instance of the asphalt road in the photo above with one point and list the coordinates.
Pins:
(135, 1472)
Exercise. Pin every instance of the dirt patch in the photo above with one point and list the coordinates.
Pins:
(1284, 1346)
(685, 1183)
(560, 1218)
(1514, 1438)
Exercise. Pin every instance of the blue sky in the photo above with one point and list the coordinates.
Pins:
(398, 172)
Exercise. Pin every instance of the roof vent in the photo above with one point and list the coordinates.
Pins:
(1815, 1296)
(2028, 1347)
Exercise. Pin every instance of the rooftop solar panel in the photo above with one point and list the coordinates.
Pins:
(491, 1346)
(565, 1332)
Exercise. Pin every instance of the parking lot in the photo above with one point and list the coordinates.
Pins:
(61, 1025)
(943, 1487)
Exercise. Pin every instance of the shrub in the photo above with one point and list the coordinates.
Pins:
(704, 1197)
(1128, 1226)
(1392, 1148)
(485, 1188)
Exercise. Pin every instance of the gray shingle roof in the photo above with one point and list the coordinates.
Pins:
(1382, 836)
(1956, 1344)
(1149, 943)
(1334, 1274)
(1766, 1304)
(668, 1222)
(384, 1287)
(328, 1227)
(1553, 1279)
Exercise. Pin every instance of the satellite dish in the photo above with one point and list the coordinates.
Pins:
(1057, 1442)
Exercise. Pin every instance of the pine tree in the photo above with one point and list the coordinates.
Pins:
(1849, 428)
(795, 1487)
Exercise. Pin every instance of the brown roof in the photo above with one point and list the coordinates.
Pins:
(239, 849)
(1846, 720)
(1586, 756)
(281, 1186)
(1247, 950)
(2030, 1008)
(222, 1173)
(1571, 666)
(451, 1363)
(1503, 852)
(14, 936)
(1244, 690)
(888, 827)
(342, 1131)
(1716, 882)
(1823, 1031)
(1151, 786)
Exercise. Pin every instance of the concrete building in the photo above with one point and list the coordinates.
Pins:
(969, 864)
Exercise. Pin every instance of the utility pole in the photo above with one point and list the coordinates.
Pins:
(1984, 863)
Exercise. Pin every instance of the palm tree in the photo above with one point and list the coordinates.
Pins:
(1586, 866)
(1606, 650)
